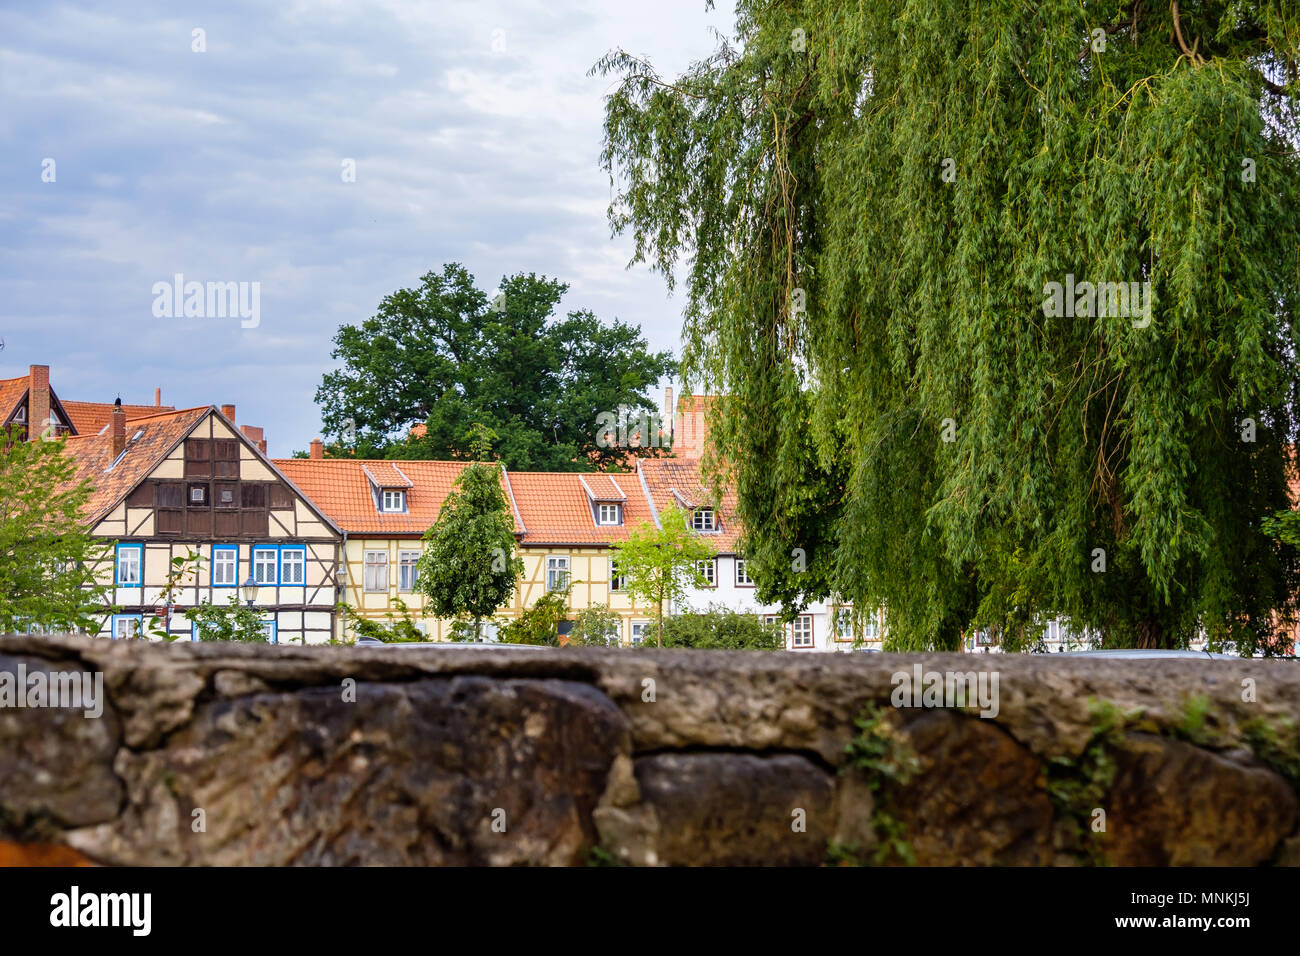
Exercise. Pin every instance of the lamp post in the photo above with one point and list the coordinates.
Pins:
(249, 590)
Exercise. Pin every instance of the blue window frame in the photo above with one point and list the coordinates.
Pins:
(129, 565)
(127, 625)
(293, 565)
(271, 636)
(225, 566)
(265, 564)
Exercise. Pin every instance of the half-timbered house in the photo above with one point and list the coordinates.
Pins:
(176, 483)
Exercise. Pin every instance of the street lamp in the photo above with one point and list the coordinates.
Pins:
(249, 590)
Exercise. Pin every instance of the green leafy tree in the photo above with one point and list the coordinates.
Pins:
(596, 626)
(445, 355)
(539, 624)
(48, 559)
(469, 567)
(872, 202)
(721, 628)
(659, 564)
(396, 628)
(232, 622)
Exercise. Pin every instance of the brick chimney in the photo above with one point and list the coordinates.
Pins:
(38, 400)
(117, 428)
(229, 412)
(157, 398)
(669, 420)
(317, 448)
(256, 435)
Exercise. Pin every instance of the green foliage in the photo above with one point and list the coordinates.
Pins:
(48, 559)
(448, 356)
(721, 628)
(596, 626)
(395, 629)
(1277, 745)
(235, 622)
(866, 222)
(881, 754)
(183, 572)
(659, 563)
(540, 623)
(469, 567)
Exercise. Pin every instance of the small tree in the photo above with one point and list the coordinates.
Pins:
(660, 563)
(540, 624)
(236, 622)
(596, 626)
(721, 628)
(48, 558)
(469, 567)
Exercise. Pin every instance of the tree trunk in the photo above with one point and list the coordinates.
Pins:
(1151, 635)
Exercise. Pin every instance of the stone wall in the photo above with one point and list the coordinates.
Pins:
(237, 754)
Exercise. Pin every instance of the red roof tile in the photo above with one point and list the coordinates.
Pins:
(341, 488)
(90, 418)
(680, 481)
(556, 509)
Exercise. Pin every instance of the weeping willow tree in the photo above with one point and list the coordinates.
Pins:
(999, 298)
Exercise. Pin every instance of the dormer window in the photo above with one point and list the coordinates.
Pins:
(394, 499)
(609, 514)
(703, 519)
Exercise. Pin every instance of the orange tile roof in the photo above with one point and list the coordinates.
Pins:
(89, 418)
(341, 488)
(600, 487)
(159, 434)
(11, 392)
(384, 474)
(556, 509)
(680, 481)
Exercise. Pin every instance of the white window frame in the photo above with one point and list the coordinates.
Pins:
(137, 562)
(557, 572)
(219, 562)
(743, 580)
(704, 520)
(299, 562)
(131, 619)
(380, 566)
(709, 569)
(802, 627)
(405, 560)
(398, 500)
(640, 631)
(260, 555)
(617, 582)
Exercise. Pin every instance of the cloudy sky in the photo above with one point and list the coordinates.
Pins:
(475, 133)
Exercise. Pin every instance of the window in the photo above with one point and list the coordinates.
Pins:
(264, 565)
(616, 580)
(844, 624)
(198, 494)
(376, 571)
(224, 495)
(1052, 633)
(641, 631)
(406, 569)
(609, 514)
(293, 566)
(871, 628)
(268, 629)
(709, 571)
(393, 500)
(801, 634)
(743, 579)
(130, 565)
(557, 573)
(225, 567)
(127, 626)
(703, 520)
